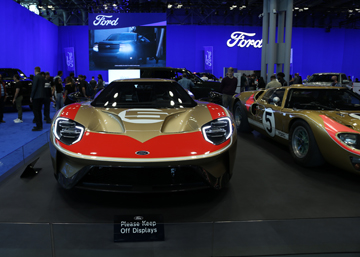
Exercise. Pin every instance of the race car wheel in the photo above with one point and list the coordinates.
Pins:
(241, 121)
(303, 146)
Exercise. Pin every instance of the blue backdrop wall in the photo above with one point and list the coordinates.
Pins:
(27, 40)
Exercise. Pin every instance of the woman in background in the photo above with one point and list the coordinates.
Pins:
(100, 84)
(69, 88)
(58, 88)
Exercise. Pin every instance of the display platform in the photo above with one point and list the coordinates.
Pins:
(272, 206)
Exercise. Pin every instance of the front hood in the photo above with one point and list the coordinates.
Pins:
(350, 119)
(141, 123)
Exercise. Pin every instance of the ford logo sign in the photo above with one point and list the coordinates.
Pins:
(142, 152)
(138, 218)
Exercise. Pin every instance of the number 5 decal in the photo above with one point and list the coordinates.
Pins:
(269, 121)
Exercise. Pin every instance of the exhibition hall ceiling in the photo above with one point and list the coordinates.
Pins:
(325, 14)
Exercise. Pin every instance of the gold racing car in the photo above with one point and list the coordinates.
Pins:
(143, 135)
(318, 123)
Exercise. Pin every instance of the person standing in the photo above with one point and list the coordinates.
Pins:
(280, 77)
(82, 86)
(261, 83)
(18, 97)
(243, 83)
(69, 88)
(273, 83)
(185, 82)
(48, 97)
(228, 87)
(335, 82)
(37, 98)
(93, 85)
(59, 93)
(100, 84)
(3, 96)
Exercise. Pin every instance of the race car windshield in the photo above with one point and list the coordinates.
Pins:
(321, 78)
(323, 99)
(144, 95)
(122, 37)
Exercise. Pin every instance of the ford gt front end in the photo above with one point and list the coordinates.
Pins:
(143, 135)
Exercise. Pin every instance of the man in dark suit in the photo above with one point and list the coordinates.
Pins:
(37, 98)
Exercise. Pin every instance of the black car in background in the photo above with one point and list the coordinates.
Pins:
(26, 84)
(201, 88)
(209, 75)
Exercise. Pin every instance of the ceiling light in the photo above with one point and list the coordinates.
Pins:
(179, 6)
(350, 10)
(234, 6)
(244, 6)
(169, 6)
(306, 8)
(114, 5)
(50, 6)
(296, 8)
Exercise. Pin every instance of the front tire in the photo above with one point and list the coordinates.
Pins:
(241, 120)
(303, 146)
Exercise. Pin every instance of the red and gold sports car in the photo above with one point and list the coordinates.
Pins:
(318, 123)
(143, 135)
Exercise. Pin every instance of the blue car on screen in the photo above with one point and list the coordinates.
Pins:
(121, 49)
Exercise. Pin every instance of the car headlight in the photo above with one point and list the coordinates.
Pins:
(68, 131)
(125, 48)
(349, 139)
(218, 131)
(96, 48)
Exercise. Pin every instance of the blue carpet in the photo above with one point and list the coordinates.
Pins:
(15, 135)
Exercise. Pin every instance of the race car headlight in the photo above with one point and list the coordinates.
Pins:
(68, 131)
(218, 131)
(349, 139)
(96, 47)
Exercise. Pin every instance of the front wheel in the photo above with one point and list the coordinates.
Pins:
(241, 120)
(303, 146)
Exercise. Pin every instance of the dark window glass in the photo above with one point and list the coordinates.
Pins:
(145, 95)
(323, 99)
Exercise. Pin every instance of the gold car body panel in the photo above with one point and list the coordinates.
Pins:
(275, 121)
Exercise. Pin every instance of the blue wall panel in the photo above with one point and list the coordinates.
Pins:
(27, 40)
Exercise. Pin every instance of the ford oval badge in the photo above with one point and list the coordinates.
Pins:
(142, 152)
(138, 218)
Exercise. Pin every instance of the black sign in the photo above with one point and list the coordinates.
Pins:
(135, 228)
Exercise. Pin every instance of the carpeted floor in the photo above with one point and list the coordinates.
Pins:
(13, 136)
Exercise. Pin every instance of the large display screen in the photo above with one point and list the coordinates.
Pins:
(127, 40)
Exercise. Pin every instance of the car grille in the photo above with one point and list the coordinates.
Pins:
(108, 48)
(143, 179)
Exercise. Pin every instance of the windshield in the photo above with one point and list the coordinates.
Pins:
(145, 95)
(122, 37)
(9, 73)
(321, 78)
(323, 99)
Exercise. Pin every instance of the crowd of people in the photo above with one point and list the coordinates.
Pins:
(46, 90)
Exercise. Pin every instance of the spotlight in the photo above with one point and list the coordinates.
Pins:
(169, 6)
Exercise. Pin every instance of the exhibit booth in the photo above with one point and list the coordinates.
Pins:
(272, 206)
